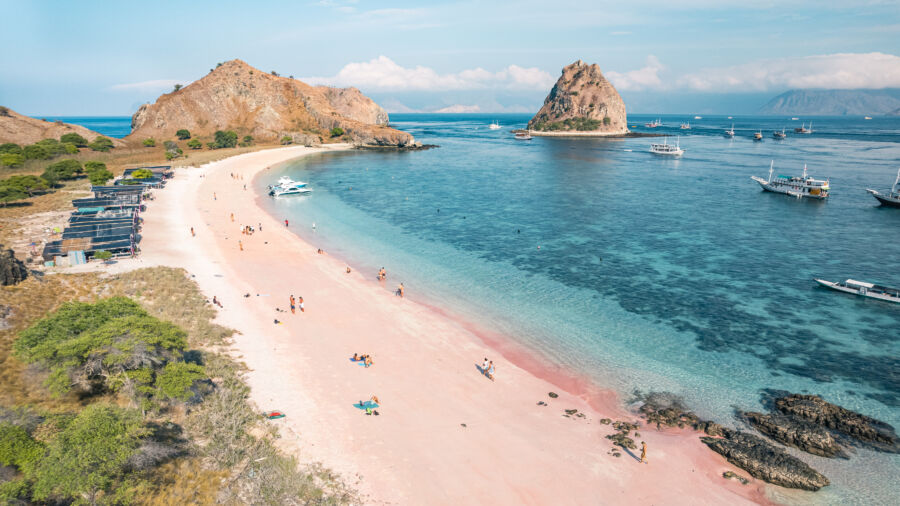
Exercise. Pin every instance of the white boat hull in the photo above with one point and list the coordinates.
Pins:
(862, 293)
(786, 190)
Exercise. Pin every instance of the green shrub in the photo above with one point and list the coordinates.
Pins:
(14, 492)
(11, 194)
(149, 143)
(53, 146)
(11, 148)
(142, 174)
(37, 152)
(70, 148)
(101, 144)
(73, 138)
(27, 184)
(12, 159)
(606, 120)
(178, 87)
(194, 144)
(17, 448)
(247, 141)
(225, 139)
(183, 134)
(337, 132)
(97, 173)
(102, 255)
(287, 139)
(89, 456)
(177, 378)
(62, 170)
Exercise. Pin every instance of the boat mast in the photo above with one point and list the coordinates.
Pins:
(896, 187)
(804, 171)
(771, 170)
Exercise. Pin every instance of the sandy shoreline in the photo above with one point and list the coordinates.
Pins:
(510, 451)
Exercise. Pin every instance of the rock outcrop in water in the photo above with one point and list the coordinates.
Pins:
(581, 101)
(12, 270)
(765, 461)
(819, 412)
(800, 434)
(236, 96)
(664, 409)
(20, 129)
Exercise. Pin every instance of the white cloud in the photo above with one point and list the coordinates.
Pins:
(830, 71)
(154, 85)
(640, 79)
(383, 74)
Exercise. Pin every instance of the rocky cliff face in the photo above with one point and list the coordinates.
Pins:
(582, 100)
(26, 130)
(236, 96)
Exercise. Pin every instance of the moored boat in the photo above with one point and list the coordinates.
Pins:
(495, 125)
(287, 186)
(863, 289)
(667, 149)
(653, 124)
(868, 117)
(730, 132)
(523, 136)
(686, 126)
(779, 135)
(803, 129)
(800, 187)
(757, 136)
(890, 198)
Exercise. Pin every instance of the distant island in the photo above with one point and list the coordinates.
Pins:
(884, 102)
(581, 103)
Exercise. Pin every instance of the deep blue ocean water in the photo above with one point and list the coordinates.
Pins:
(113, 126)
(652, 273)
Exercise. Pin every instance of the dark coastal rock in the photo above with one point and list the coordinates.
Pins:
(553, 395)
(622, 439)
(12, 270)
(730, 475)
(605, 421)
(765, 461)
(818, 411)
(800, 434)
(665, 409)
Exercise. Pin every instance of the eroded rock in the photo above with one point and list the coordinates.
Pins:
(861, 428)
(800, 434)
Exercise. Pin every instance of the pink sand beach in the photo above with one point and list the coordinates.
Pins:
(445, 433)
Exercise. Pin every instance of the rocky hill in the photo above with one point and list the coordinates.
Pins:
(20, 129)
(834, 103)
(236, 96)
(582, 100)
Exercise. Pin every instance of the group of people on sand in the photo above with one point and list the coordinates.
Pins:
(365, 359)
(295, 303)
(487, 368)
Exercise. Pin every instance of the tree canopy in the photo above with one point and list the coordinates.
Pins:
(97, 172)
(101, 144)
(225, 139)
(149, 142)
(73, 138)
(12, 148)
(337, 132)
(195, 144)
(183, 134)
(62, 170)
(142, 174)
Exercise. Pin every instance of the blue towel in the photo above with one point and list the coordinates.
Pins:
(367, 404)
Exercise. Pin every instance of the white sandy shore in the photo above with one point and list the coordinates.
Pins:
(510, 451)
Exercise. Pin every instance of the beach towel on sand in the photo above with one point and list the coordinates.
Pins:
(367, 404)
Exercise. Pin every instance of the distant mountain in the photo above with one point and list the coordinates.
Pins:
(835, 103)
(458, 108)
(20, 129)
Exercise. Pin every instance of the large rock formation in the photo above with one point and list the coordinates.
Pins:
(236, 96)
(797, 433)
(818, 411)
(765, 461)
(582, 100)
(20, 129)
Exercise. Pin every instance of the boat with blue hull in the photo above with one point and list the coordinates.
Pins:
(889, 198)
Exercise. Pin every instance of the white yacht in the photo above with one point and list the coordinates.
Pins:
(667, 149)
(800, 187)
(730, 133)
(653, 124)
(864, 289)
(523, 136)
(757, 136)
(698, 117)
(287, 186)
(888, 198)
(868, 117)
(686, 126)
(495, 125)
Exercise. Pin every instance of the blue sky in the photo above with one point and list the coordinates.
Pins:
(106, 58)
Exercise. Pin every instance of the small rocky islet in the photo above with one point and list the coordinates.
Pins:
(807, 422)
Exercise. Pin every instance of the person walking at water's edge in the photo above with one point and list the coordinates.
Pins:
(400, 290)
(293, 305)
(644, 453)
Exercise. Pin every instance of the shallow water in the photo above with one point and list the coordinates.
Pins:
(652, 273)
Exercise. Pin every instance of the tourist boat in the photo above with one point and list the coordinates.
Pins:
(730, 133)
(653, 124)
(868, 117)
(757, 136)
(779, 135)
(523, 136)
(495, 125)
(864, 289)
(686, 126)
(287, 186)
(891, 198)
(795, 119)
(803, 129)
(800, 187)
(666, 149)
(698, 117)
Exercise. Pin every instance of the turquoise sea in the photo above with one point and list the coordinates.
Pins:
(640, 272)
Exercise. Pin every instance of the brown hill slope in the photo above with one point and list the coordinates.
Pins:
(239, 97)
(26, 130)
(582, 100)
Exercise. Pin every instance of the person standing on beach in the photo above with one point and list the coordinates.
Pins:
(285, 223)
(300, 301)
(241, 245)
(484, 366)
(400, 290)
(192, 232)
(293, 307)
(214, 196)
(490, 373)
(644, 453)
(232, 217)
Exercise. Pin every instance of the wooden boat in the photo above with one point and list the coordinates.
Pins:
(863, 289)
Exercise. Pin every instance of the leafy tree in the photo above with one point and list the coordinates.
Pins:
(11, 194)
(70, 148)
(90, 455)
(12, 159)
(62, 170)
(101, 144)
(287, 139)
(194, 144)
(178, 87)
(37, 152)
(606, 120)
(225, 139)
(73, 138)
(92, 165)
(211, 145)
(4, 111)
(247, 141)
(183, 134)
(17, 448)
(53, 146)
(275, 73)
(26, 183)
(11, 148)
(102, 255)
(142, 174)
(99, 177)
(150, 142)
(177, 378)
(337, 132)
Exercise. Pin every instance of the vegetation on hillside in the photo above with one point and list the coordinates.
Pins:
(577, 124)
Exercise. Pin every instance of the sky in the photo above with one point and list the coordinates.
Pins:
(96, 58)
